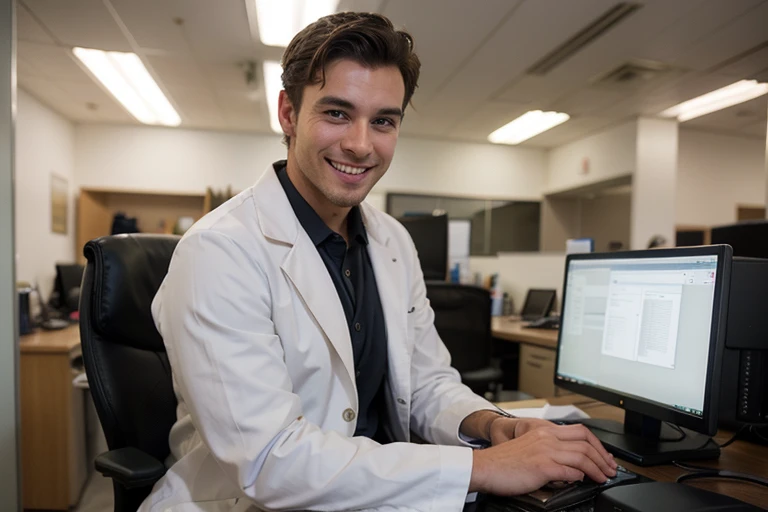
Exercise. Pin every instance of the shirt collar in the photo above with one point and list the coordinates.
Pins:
(317, 230)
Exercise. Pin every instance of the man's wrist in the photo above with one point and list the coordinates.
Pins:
(478, 424)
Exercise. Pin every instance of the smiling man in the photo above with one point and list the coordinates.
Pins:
(300, 337)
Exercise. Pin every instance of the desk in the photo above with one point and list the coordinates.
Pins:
(740, 456)
(504, 328)
(537, 354)
(53, 461)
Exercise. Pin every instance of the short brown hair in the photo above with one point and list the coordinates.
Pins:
(367, 38)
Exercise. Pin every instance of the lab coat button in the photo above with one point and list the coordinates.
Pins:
(348, 415)
(401, 401)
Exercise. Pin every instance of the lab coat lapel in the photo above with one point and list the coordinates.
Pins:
(304, 267)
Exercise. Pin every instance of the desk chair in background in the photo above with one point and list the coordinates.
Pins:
(125, 360)
(463, 321)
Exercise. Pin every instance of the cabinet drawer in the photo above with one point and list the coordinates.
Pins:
(537, 371)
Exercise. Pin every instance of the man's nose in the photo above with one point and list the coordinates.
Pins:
(357, 140)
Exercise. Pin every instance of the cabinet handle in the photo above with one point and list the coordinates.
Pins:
(540, 358)
(531, 363)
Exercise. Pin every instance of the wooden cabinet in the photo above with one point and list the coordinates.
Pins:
(155, 211)
(53, 456)
(537, 370)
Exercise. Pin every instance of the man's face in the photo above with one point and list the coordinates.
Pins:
(344, 136)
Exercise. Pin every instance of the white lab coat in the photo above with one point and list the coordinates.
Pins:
(263, 371)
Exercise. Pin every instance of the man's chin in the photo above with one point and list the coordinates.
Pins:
(346, 201)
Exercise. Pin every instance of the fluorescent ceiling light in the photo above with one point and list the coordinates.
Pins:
(280, 20)
(526, 126)
(741, 91)
(273, 84)
(126, 78)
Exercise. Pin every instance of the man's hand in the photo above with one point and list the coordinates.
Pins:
(503, 429)
(491, 426)
(544, 452)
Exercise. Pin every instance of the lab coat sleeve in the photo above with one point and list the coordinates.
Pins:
(213, 311)
(439, 402)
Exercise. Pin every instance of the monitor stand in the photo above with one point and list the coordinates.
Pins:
(646, 441)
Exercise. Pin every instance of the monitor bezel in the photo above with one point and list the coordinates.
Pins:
(707, 422)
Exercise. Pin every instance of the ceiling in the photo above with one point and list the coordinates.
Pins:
(475, 56)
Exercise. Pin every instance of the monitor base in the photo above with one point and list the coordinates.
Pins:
(645, 451)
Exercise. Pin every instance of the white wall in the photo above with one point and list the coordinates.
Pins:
(44, 145)
(186, 160)
(610, 154)
(520, 271)
(715, 174)
(463, 168)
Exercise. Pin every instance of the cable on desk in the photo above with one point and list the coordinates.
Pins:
(705, 472)
(735, 436)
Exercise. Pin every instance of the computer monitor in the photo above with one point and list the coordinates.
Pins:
(748, 238)
(68, 277)
(644, 331)
(430, 236)
(538, 304)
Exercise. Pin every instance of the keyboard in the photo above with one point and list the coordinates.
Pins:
(574, 497)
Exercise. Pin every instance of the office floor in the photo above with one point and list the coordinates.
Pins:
(97, 495)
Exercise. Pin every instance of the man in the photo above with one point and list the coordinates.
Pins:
(301, 340)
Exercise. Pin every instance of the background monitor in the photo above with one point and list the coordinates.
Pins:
(67, 285)
(430, 236)
(538, 304)
(644, 331)
(748, 238)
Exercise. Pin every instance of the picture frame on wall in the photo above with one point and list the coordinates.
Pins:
(59, 204)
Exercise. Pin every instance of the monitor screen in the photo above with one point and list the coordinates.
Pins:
(642, 330)
(538, 303)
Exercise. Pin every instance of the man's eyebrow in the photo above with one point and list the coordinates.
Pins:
(335, 101)
(392, 111)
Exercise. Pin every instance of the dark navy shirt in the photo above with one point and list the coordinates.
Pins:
(352, 275)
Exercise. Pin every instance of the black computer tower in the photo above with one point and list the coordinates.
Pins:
(744, 384)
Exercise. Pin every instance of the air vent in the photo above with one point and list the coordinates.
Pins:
(601, 25)
(634, 72)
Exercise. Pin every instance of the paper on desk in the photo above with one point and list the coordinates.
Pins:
(550, 412)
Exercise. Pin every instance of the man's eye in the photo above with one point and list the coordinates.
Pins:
(337, 114)
(384, 122)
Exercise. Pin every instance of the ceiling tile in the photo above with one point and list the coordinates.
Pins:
(741, 34)
(442, 47)
(52, 62)
(28, 29)
(86, 23)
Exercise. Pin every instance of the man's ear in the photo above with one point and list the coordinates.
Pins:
(286, 114)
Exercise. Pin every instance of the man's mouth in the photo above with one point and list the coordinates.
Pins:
(346, 168)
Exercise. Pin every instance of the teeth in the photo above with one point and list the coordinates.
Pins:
(347, 169)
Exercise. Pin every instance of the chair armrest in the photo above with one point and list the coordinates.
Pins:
(130, 467)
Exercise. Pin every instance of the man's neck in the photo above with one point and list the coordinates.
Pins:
(335, 217)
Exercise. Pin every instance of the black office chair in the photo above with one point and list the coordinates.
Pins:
(125, 360)
(463, 321)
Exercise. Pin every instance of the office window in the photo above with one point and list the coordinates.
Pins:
(496, 225)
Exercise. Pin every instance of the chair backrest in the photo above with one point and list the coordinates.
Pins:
(124, 356)
(463, 321)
